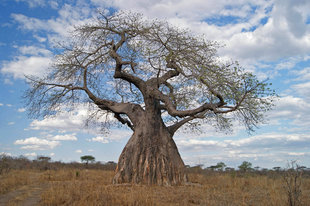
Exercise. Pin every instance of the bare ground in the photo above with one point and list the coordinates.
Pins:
(27, 195)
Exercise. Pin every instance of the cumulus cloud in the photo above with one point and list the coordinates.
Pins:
(256, 30)
(58, 28)
(265, 149)
(66, 137)
(23, 66)
(32, 154)
(99, 139)
(271, 140)
(78, 151)
(294, 109)
(73, 121)
(33, 3)
(50, 142)
(6, 153)
(114, 135)
(40, 3)
(194, 10)
(1, 104)
(21, 110)
(303, 89)
(34, 143)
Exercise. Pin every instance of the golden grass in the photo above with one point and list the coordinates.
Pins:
(14, 179)
(94, 187)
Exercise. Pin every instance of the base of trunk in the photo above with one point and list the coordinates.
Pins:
(150, 159)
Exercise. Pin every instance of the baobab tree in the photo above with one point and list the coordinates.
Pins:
(153, 78)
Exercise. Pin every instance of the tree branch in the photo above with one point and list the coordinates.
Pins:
(124, 121)
(173, 128)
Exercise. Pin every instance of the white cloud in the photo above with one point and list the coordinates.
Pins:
(1, 104)
(294, 109)
(259, 144)
(8, 81)
(11, 123)
(9, 105)
(66, 137)
(65, 121)
(21, 110)
(114, 135)
(73, 121)
(6, 153)
(99, 139)
(33, 3)
(52, 154)
(268, 150)
(245, 38)
(78, 151)
(296, 153)
(303, 75)
(34, 143)
(40, 3)
(35, 51)
(193, 10)
(57, 28)
(32, 154)
(303, 89)
(22, 65)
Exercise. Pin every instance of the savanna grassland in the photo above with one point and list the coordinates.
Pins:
(93, 186)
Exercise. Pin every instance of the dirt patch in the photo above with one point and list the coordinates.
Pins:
(27, 195)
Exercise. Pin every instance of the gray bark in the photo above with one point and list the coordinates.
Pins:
(151, 155)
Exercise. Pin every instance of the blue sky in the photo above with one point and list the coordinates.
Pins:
(270, 38)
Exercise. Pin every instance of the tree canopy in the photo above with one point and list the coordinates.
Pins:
(115, 61)
(87, 158)
(245, 166)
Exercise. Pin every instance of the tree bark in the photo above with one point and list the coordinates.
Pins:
(151, 155)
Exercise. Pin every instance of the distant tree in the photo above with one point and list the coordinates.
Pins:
(221, 166)
(43, 159)
(43, 162)
(245, 166)
(256, 168)
(87, 159)
(154, 78)
(229, 169)
(277, 169)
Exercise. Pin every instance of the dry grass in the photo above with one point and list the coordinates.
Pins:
(93, 187)
(14, 179)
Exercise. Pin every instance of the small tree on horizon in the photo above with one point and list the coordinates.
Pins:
(245, 166)
(87, 159)
(43, 158)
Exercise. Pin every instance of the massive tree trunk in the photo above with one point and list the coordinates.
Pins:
(151, 155)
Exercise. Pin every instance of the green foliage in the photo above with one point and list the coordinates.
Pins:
(43, 159)
(87, 158)
(220, 166)
(245, 166)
